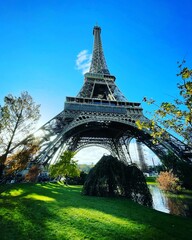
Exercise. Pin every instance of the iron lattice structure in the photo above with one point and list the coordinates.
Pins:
(100, 116)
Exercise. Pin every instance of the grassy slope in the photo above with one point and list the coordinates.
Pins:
(52, 211)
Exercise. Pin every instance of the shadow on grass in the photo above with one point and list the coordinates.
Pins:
(54, 211)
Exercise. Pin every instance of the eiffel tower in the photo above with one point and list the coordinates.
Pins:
(100, 115)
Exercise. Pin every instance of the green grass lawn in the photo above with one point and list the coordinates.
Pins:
(151, 180)
(53, 211)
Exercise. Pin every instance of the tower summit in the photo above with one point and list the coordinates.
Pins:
(99, 84)
(98, 64)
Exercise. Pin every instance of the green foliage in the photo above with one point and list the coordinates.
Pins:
(78, 180)
(111, 177)
(176, 116)
(169, 182)
(179, 168)
(54, 212)
(65, 167)
(18, 116)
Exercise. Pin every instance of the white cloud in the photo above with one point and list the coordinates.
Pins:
(83, 61)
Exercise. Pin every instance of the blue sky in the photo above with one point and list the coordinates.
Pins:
(142, 40)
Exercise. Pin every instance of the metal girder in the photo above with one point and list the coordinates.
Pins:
(98, 64)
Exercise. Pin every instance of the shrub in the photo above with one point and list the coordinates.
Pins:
(169, 182)
(31, 176)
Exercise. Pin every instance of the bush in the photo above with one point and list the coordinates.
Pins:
(79, 180)
(32, 175)
(169, 182)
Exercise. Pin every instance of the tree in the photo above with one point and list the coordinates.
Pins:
(18, 117)
(176, 116)
(19, 160)
(65, 167)
(111, 177)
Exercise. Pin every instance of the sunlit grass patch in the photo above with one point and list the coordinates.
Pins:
(91, 215)
(54, 192)
(13, 192)
(39, 197)
(82, 223)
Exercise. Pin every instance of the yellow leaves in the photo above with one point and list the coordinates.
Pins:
(155, 132)
(139, 124)
(158, 133)
(167, 108)
(186, 73)
(161, 113)
(188, 87)
(188, 118)
(179, 114)
(145, 125)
